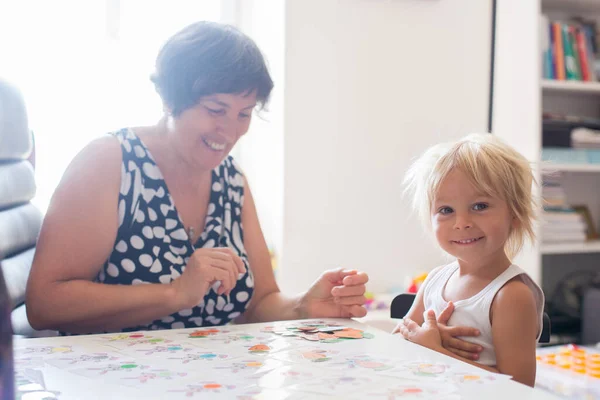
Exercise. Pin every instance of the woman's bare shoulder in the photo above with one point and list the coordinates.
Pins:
(99, 158)
(94, 172)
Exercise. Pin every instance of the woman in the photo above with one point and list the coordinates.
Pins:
(155, 227)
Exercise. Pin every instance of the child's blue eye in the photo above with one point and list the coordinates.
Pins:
(480, 206)
(244, 116)
(445, 210)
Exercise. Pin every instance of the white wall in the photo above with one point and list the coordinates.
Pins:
(368, 85)
(517, 109)
(260, 152)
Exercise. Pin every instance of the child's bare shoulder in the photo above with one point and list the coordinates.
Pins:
(515, 294)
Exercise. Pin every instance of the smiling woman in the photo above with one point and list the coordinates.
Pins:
(175, 239)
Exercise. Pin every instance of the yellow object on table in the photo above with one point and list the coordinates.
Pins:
(570, 371)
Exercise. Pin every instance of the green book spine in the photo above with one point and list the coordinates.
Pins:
(570, 64)
(573, 41)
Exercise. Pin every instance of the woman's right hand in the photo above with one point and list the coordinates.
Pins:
(450, 336)
(204, 268)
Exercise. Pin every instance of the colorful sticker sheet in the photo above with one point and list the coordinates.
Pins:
(569, 371)
(307, 359)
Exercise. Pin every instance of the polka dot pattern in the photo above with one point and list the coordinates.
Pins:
(152, 246)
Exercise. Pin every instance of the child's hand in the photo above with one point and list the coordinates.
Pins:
(449, 335)
(427, 335)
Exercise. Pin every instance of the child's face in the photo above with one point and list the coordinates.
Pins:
(469, 225)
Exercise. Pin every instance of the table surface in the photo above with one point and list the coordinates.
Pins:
(251, 361)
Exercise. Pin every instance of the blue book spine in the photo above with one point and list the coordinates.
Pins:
(589, 44)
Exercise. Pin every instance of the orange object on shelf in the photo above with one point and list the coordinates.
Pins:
(415, 283)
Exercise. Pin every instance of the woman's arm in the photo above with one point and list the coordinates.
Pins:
(76, 239)
(335, 294)
(515, 324)
(268, 303)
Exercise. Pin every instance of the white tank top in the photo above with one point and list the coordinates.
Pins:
(475, 311)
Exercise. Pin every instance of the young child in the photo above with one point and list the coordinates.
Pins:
(476, 196)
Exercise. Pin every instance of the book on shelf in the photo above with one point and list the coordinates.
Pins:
(548, 62)
(562, 155)
(585, 138)
(563, 237)
(553, 194)
(571, 121)
(565, 228)
(584, 211)
(571, 65)
(556, 217)
(579, 145)
(569, 49)
(563, 130)
(567, 224)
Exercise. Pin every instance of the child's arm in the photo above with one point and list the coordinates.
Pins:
(515, 324)
(514, 331)
(449, 335)
(418, 306)
(429, 335)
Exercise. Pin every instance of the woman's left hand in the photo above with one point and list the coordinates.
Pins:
(337, 293)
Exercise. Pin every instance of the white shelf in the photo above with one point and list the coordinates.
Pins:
(579, 6)
(552, 167)
(551, 85)
(592, 246)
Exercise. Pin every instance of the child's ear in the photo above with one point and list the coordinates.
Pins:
(515, 223)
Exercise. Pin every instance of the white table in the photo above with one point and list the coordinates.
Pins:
(223, 366)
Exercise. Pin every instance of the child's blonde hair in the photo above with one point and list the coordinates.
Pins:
(492, 166)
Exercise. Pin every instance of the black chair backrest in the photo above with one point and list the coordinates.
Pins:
(402, 303)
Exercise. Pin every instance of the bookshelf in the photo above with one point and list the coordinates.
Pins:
(578, 98)
(592, 246)
(555, 167)
(520, 96)
(591, 88)
(574, 6)
(571, 96)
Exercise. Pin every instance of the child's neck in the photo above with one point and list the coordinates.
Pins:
(490, 267)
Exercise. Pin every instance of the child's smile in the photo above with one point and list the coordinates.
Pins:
(468, 224)
(467, 242)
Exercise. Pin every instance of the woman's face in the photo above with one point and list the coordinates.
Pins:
(206, 133)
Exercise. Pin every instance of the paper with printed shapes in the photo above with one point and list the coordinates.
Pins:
(407, 391)
(289, 360)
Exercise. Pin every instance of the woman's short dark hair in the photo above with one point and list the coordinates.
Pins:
(206, 58)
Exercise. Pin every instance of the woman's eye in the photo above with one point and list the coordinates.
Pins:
(215, 112)
(244, 116)
(480, 206)
(445, 210)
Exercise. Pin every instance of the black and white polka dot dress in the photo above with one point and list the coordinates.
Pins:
(152, 245)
